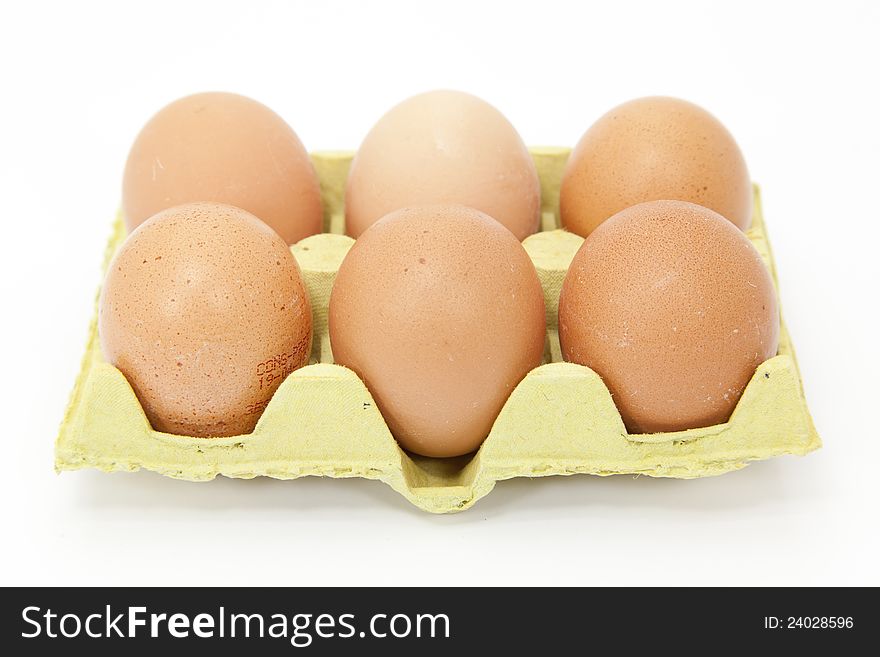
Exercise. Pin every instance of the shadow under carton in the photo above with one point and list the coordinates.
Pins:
(323, 421)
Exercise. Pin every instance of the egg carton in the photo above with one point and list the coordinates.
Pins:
(322, 420)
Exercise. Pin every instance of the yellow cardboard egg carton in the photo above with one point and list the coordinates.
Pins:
(323, 421)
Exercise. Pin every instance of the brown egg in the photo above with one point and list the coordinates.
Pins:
(224, 148)
(204, 312)
(440, 312)
(444, 147)
(652, 149)
(673, 307)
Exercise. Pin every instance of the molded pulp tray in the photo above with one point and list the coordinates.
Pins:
(322, 420)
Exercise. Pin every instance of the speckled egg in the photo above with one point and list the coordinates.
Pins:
(444, 147)
(440, 312)
(205, 313)
(652, 149)
(674, 308)
(224, 148)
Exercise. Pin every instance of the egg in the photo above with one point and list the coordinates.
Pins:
(440, 312)
(443, 147)
(204, 311)
(653, 149)
(673, 307)
(223, 148)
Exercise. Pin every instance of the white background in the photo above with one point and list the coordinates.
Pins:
(796, 83)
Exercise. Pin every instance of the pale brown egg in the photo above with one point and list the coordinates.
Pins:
(205, 313)
(224, 148)
(443, 147)
(440, 312)
(673, 307)
(652, 149)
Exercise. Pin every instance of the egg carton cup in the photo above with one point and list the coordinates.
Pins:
(322, 420)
